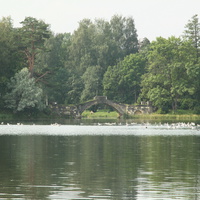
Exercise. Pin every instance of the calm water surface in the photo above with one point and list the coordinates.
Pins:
(139, 161)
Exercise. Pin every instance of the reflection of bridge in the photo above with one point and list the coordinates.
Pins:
(122, 109)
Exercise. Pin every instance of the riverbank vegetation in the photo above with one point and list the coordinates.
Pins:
(180, 115)
(100, 114)
(101, 57)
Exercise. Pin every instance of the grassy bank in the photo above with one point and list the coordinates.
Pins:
(103, 114)
(6, 116)
(100, 114)
(9, 116)
(154, 116)
(179, 115)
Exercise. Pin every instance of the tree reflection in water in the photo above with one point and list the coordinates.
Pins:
(99, 166)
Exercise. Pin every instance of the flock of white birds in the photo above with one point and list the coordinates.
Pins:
(179, 125)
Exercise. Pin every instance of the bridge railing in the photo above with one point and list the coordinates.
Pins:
(76, 111)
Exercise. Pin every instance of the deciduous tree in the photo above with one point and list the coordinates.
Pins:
(92, 83)
(24, 93)
(10, 58)
(125, 34)
(55, 83)
(167, 80)
(122, 81)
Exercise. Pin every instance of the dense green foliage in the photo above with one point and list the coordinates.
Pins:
(23, 94)
(122, 81)
(168, 80)
(100, 58)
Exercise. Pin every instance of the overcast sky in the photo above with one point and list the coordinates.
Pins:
(153, 18)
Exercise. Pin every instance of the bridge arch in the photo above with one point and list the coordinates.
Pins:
(77, 110)
(138, 112)
(120, 108)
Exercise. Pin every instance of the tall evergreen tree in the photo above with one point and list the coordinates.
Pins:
(192, 31)
(32, 37)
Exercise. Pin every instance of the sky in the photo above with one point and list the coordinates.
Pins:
(153, 18)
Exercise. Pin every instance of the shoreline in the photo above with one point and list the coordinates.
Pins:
(101, 115)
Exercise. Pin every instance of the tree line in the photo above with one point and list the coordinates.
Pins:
(101, 57)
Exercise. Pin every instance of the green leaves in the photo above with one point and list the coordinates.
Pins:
(92, 83)
(100, 58)
(122, 81)
(24, 93)
(125, 34)
(32, 37)
(168, 79)
(10, 58)
(192, 30)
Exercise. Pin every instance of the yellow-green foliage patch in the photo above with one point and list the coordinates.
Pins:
(100, 114)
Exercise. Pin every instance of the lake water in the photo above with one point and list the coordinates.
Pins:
(100, 161)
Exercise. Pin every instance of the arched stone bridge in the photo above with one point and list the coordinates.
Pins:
(76, 111)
